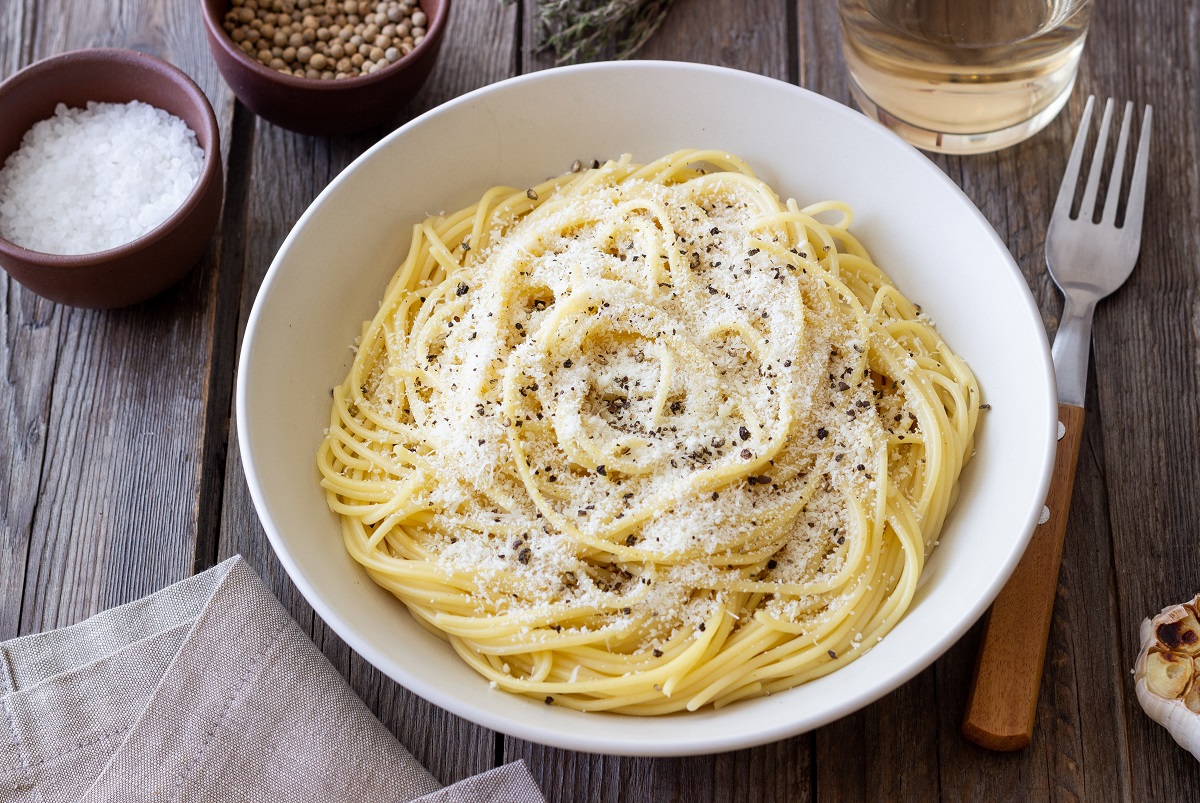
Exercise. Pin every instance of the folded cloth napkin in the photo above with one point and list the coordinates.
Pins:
(204, 691)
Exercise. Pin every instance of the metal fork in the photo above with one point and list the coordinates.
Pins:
(1088, 260)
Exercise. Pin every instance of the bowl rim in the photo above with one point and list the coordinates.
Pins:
(210, 168)
(218, 35)
(699, 740)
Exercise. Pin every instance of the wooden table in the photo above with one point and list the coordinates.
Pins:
(119, 469)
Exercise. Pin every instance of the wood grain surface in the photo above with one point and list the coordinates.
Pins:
(119, 470)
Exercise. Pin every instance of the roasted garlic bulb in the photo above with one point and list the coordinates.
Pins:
(1167, 675)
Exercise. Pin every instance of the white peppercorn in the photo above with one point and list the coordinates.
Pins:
(325, 39)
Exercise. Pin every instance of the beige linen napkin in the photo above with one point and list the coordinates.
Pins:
(204, 691)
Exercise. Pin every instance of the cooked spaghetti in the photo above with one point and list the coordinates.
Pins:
(645, 438)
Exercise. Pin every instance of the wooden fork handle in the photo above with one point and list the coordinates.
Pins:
(1008, 672)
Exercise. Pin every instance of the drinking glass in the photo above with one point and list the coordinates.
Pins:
(963, 76)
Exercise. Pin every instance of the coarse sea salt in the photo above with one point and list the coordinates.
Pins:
(91, 179)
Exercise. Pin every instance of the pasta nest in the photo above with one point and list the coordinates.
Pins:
(644, 437)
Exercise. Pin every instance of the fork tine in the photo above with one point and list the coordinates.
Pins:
(1066, 192)
(1118, 171)
(1137, 187)
(1087, 207)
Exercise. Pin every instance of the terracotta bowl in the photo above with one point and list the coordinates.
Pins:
(313, 106)
(158, 259)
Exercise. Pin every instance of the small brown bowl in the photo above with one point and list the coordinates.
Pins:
(158, 259)
(313, 106)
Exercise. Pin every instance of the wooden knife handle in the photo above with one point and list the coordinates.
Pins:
(1008, 672)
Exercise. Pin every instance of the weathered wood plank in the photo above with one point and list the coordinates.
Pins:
(226, 314)
(115, 473)
(818, 45)
(774, 772)
(887, 751)
(30, 332)
(1146, 348)
(28, 335)
(1088, 679)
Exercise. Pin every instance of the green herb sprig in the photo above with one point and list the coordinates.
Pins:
(586, 30)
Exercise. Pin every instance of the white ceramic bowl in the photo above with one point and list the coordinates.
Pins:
(330, 274)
